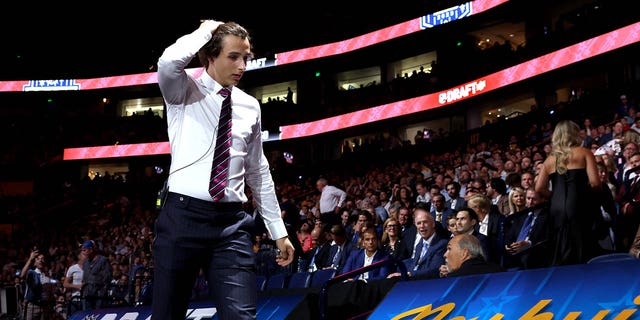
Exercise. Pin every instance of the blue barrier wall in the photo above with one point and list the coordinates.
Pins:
(608, 290)
(269, 307)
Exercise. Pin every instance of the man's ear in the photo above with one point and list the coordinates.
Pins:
(465, 254)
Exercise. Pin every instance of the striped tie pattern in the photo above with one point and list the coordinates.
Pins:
(220, 166)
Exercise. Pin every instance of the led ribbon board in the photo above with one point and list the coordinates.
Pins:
(326, 50)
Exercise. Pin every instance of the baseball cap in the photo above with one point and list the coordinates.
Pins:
(89, 244)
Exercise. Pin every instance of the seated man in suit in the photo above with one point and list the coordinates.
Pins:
(370, 253)
(455, 202)
(407, 228)
(364, 218)
(497, 191)
(465, 256)
(441, 212)
(341, 248)
(429, 255)
(526, 234)
(319, 257)
(466, 223)
(489, 222)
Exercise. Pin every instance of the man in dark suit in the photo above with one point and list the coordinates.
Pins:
(340, 248)
(455, 202)
(429, 255)
(434, 190)
(408, 229)
(364, 217)
(526, 235)
(319, 257)
(464, 256)
(466, 222)
(441, 226)
(370, 253)
(489, 224)
(441, 212)
(497, 191)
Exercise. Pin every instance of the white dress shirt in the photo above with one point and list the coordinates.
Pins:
(367, 261)
(423, 198)
(330, 198)
(193, 109)
(484, 225)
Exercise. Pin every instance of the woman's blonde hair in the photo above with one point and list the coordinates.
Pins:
(566, 135)
(512, 204)
(385, 235)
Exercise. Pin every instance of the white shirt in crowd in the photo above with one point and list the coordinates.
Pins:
(330, 198)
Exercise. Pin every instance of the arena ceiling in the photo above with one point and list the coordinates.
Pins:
(58, 40)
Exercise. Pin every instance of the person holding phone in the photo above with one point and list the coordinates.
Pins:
(38, 296)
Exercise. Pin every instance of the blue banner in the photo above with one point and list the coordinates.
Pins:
(269, 307)
(608, 290)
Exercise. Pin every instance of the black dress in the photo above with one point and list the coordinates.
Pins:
(398, 252)
(573, 210)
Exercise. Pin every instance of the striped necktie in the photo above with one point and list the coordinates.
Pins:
(336, 257)
(220, 166)
(526, 228)
(423, 250)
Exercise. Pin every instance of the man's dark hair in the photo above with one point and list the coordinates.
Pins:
(473, 215)
(455, 184)
(499, 185)
(365, 213)
(423, 206)
(338, 230)
(513, 179)
(214, 46)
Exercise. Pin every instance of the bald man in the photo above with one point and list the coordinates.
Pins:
(465, 256)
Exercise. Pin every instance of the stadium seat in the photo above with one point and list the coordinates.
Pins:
(277, 281)
(300, 280)
(319, 277)
(618, 256)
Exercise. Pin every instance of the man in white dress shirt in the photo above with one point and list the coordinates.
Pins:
(331, 201)
(195, 228)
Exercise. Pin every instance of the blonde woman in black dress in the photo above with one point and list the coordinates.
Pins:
(392, 242)
(569, 179)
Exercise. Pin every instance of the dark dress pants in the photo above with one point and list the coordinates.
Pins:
(193, 234)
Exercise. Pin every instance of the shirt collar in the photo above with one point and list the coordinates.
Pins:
(430, 239)
(211, 84)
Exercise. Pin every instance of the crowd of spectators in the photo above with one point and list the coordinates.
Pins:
(381, 193)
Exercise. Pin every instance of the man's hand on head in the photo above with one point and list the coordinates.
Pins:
(210, 25)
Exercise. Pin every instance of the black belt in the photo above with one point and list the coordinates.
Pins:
(216, 206)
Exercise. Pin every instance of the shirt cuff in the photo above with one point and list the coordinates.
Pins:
(277, 230)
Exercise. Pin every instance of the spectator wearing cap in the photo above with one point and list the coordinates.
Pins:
(96, 276)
